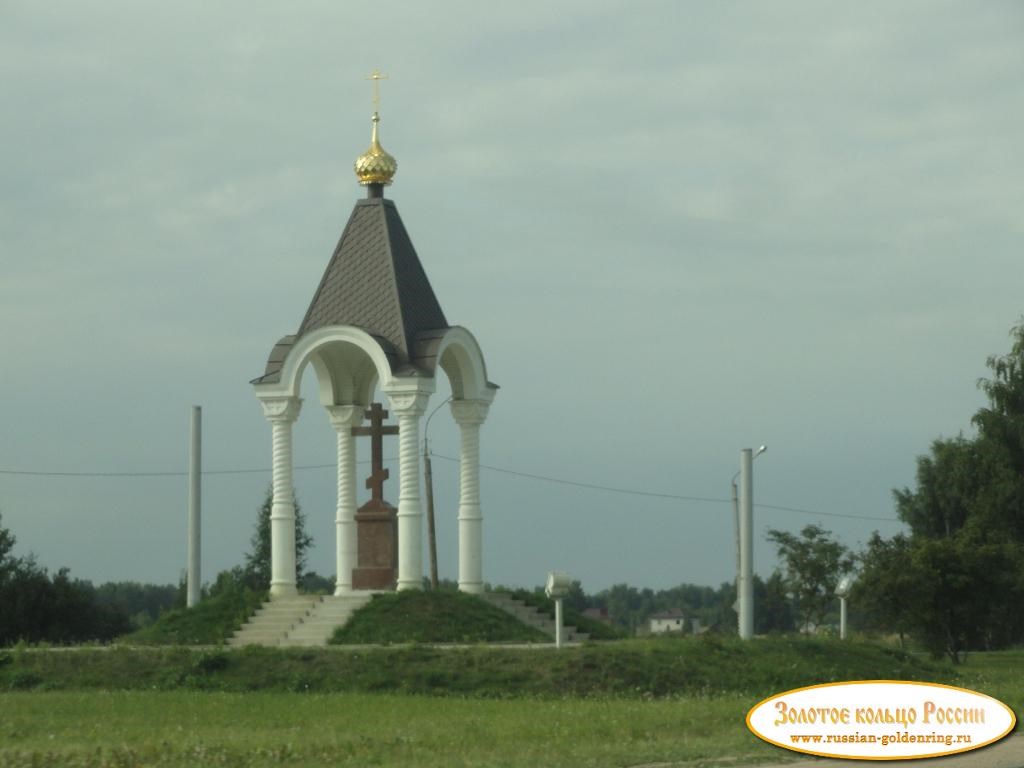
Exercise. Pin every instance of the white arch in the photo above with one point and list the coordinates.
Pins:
(460, 356)
(316, 348)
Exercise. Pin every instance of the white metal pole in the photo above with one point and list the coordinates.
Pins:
(558, 622)
(746, 596)
(736, 534)
(842, 618)
(194, 506)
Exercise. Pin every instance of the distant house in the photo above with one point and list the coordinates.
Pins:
(668, 621)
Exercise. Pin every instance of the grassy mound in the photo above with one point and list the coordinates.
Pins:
(433, 617)
(633, 668)
(597, 630)
(211, 622)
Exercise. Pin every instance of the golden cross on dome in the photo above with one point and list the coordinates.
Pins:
(376, 76)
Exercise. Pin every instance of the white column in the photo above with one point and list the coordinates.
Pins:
(343, 418)
(195, 467)
(469, 415)
(409, 407)
(282, 412)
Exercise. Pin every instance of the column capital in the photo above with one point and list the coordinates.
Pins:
(408, 403)
(345, 416)
(469, 412)
(281, 408)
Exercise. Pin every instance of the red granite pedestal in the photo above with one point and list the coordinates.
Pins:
(377, 534)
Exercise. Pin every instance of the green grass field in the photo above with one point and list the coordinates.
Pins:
(260, 729)
(656, 668)
(193, 723)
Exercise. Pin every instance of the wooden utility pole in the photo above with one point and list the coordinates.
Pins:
(428, 475)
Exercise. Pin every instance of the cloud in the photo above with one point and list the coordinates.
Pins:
(676, 229)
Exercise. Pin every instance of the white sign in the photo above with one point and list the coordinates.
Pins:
(881, 720)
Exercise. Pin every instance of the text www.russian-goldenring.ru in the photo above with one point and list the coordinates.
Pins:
(884, 740)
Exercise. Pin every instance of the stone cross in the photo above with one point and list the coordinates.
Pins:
(375, 482)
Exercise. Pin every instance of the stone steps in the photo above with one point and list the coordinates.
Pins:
(318, 627)
(305, 620)
(533, 617)
(273, 620)
(310, 620)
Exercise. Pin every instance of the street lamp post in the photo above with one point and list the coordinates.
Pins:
(744, 514)
(558, 585)
(843, 592)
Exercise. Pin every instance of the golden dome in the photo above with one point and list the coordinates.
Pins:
(375, 166)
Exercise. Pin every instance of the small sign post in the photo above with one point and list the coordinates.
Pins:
(557, 587)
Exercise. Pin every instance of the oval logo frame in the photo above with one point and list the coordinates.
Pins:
(881, 720)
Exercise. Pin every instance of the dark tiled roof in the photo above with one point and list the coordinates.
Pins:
(375, 281)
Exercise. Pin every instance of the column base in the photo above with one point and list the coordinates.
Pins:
(283, 590)
(471, 587)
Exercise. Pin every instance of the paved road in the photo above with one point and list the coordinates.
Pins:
(1007, 753)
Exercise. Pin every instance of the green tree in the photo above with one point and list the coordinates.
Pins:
(967, 593)
(257, 560)
(9, 564)
(977, 482)
(956, 581)
(886, 592)
(813, 563)
(949, 482)
(1000, 424)
(1002, 421)
(577, 598)
(774, 609)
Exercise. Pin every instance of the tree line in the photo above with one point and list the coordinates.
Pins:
(37, 606)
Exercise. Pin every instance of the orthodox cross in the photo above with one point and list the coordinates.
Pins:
(376, 414)
(376, 76)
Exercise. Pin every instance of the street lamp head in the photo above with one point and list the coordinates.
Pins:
(558, 585)
(843, 587)
(761, 450)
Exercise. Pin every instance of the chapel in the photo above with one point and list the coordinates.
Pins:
(374, 324)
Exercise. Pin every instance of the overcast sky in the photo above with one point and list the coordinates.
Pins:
(677, 229)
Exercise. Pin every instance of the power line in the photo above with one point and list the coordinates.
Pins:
(630, 492)
(560, 481)
(826, 514)
(502, 470)
(25, 473)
